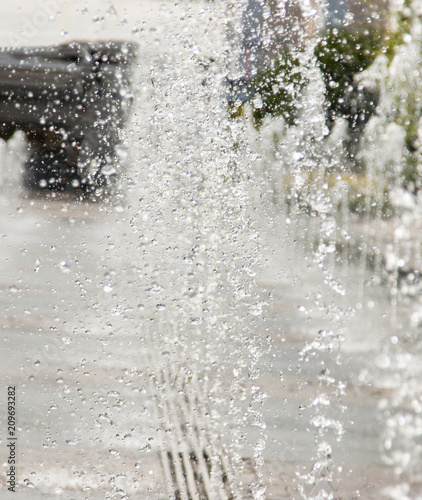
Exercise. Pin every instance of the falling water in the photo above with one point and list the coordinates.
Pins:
(273, 322)
(311, 174)
(190, 219)
(192, 201)
(393, 140)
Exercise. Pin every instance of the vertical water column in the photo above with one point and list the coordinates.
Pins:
(391, 152)
(300, 159)
(192, 218)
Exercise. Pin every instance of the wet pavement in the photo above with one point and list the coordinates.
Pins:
(339, 379)
(77, 403)
(111, 403)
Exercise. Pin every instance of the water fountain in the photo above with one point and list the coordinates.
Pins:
(387, 150)
(261, 273)
(178, 177)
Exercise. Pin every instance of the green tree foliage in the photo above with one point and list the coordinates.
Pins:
(276, 90)
(342, 54)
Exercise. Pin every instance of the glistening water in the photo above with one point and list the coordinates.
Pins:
(241, 318)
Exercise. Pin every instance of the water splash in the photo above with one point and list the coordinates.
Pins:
(191, 223)
(188, 249)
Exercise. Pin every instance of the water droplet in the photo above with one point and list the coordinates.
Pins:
(64, 267)
(114, 394)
